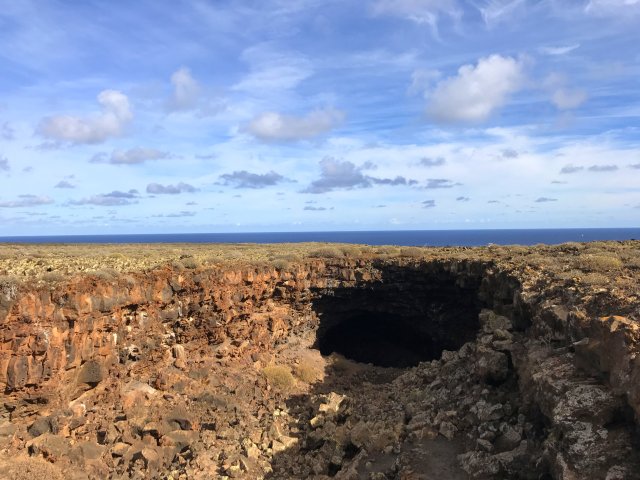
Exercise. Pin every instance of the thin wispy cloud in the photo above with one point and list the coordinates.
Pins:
(27, 200)
(568, 169)
(116, 198)
(603, 168)
(132, 156)
(559, 49)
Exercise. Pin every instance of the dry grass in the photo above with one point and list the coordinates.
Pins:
(305, 372)
(600, 262)
(279, 377)
(412, 252)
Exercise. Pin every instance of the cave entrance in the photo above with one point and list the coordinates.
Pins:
(410, 317)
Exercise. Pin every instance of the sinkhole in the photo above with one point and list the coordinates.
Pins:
(406, 319)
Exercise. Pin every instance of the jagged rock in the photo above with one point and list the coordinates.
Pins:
(91, 373)
(50, 446)
(492, 366)
(43, 425)
(215, 415)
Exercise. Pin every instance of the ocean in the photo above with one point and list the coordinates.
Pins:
(398, 237)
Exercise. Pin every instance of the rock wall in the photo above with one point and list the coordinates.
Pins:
(580, 372)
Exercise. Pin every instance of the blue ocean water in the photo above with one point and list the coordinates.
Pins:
(398, 237)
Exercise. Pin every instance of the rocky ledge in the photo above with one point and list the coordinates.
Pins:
(313, 361)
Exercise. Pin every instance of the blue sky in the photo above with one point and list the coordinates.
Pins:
(301, 115)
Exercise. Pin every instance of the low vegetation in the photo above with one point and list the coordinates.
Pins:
(279, 377)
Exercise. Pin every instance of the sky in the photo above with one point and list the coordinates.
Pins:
(314, 115)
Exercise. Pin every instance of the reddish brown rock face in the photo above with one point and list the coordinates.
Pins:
(217, 372)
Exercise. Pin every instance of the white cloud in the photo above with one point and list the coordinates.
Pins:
(419, 11)
(477, 90)
(559, 49)
(567, 99)
(115, 115)
(494, 11)
(132, 156)
(272, 126)
(186, 90)
(271, 69)
(27, 201)
(613, 7)
(562, 97)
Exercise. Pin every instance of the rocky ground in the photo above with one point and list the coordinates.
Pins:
(207, 368)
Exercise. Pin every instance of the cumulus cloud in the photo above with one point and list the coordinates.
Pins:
(462, 199)
(115, 198)
(27, 200)
(244, 179)
(64, 184)
(476, 91)
(336, 174)
(132, 156)
(603, 168)
(272, 126)
(433, 183)
(510, 153)
(428, 204)
(427, 12)
(158, 189)
(567, 169)
(115, 115)
(6, 132)
(545, 199)
(432, 162)
(186, 90)
(635, 165)
(4, 164)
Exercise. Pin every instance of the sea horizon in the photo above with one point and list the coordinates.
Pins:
(450, 237)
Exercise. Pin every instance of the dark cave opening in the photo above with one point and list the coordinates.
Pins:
(410, 317)
(375, 338)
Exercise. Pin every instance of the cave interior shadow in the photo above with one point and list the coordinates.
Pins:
(394, 324)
